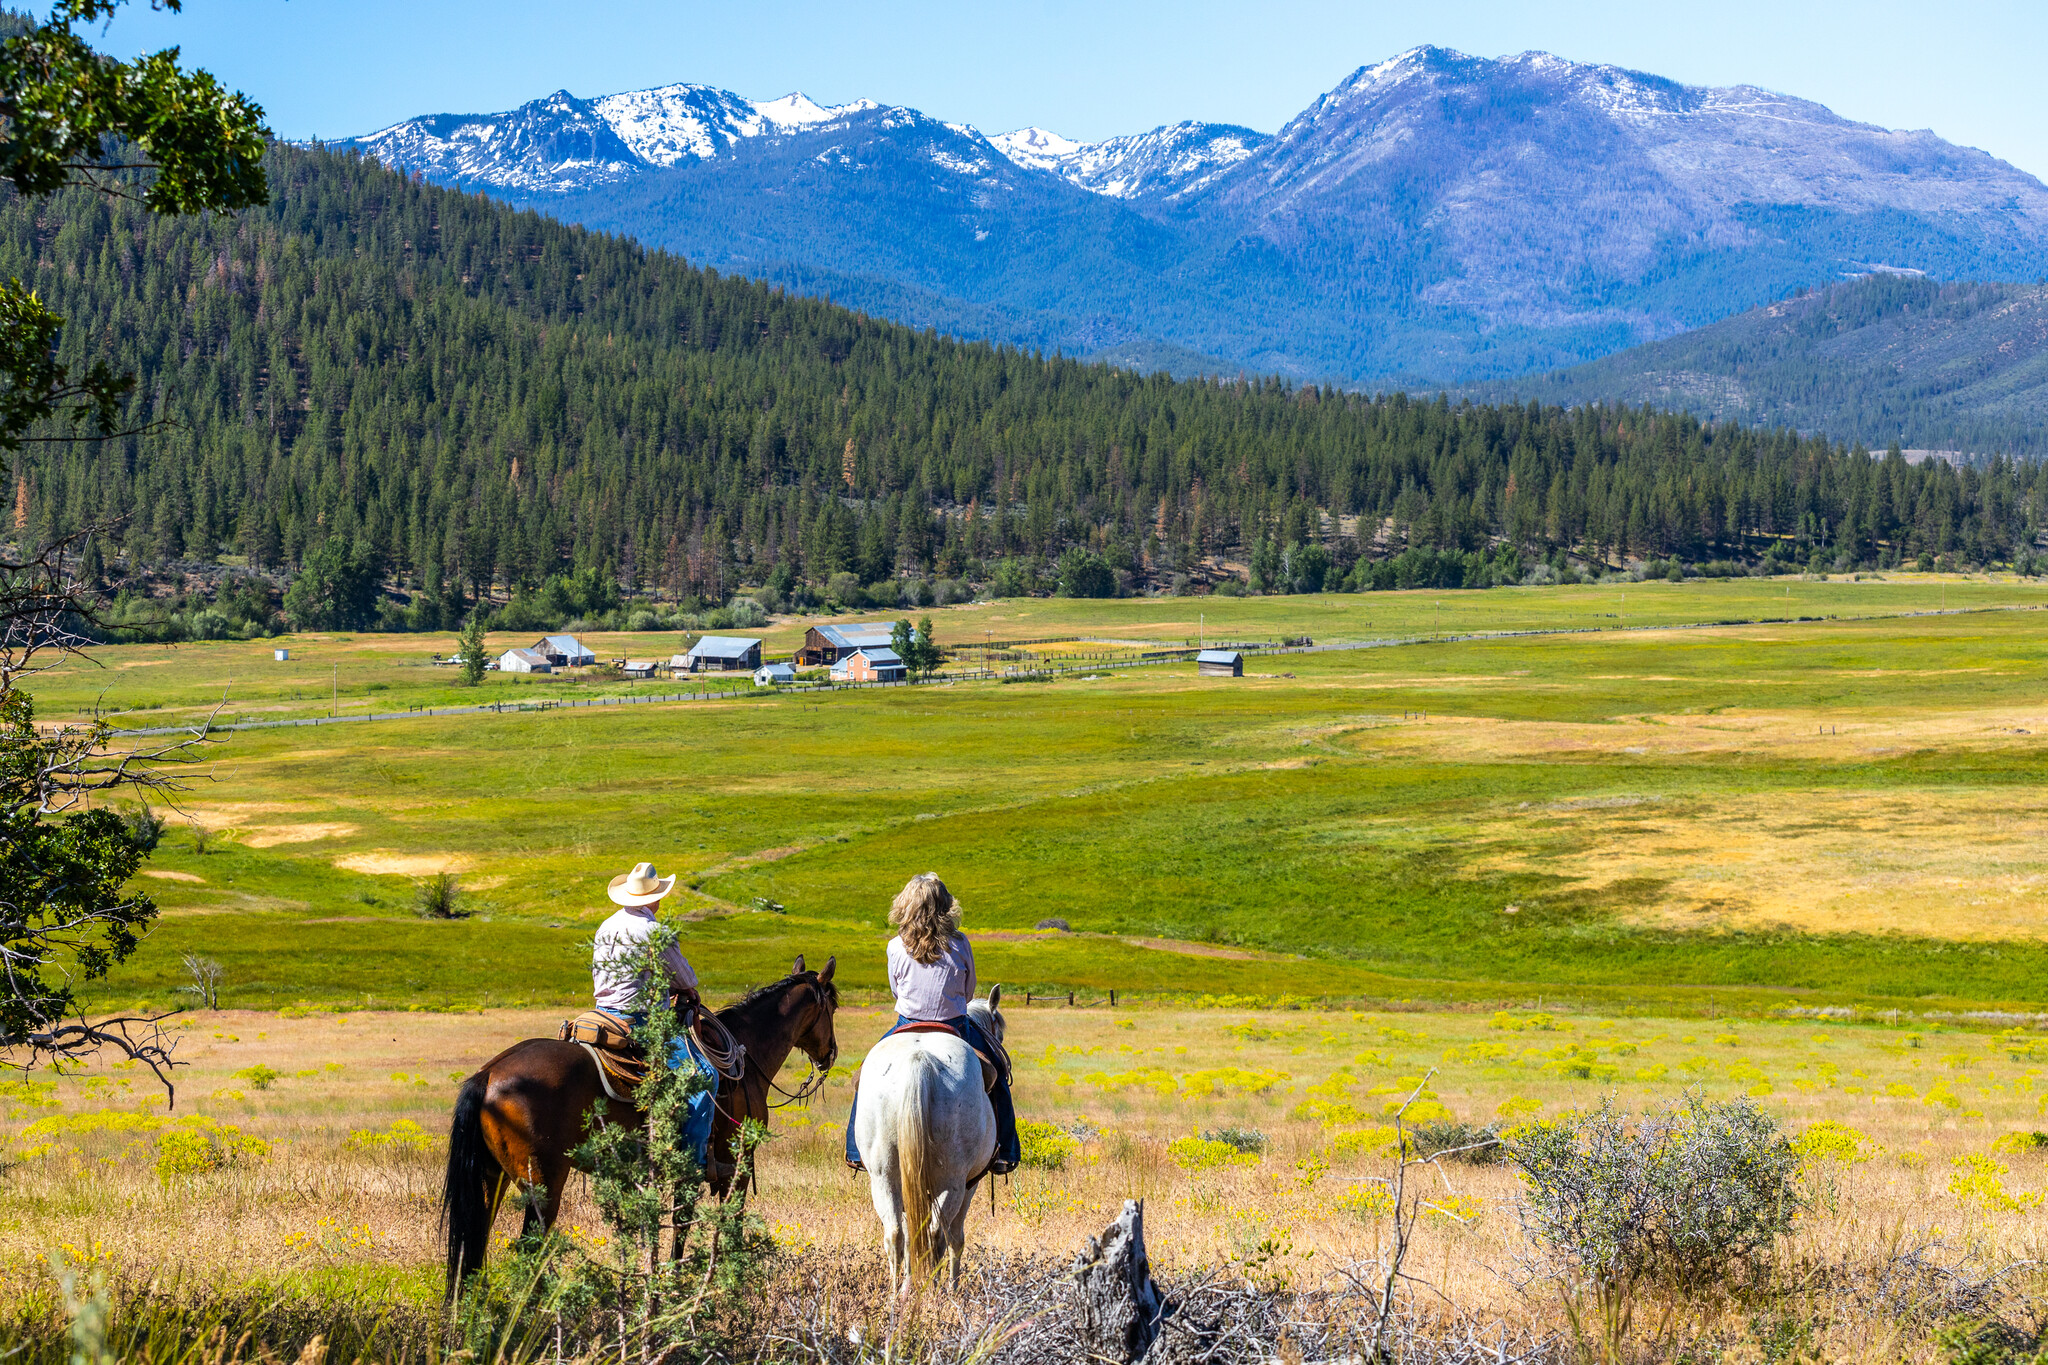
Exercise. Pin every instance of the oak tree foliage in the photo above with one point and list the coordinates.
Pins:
(172, 141)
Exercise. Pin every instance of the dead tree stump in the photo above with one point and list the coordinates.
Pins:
(1120, 1306)
(1124, 1316)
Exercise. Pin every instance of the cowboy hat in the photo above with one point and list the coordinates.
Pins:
(642, 886)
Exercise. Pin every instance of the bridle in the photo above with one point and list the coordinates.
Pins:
(747, 1067)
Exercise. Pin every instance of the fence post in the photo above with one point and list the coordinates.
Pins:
(1112, 999)
(1070, 998)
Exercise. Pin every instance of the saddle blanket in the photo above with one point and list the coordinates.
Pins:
(609, 1040)
(991, 1067)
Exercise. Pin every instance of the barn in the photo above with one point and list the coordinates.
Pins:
(524, 661)
(1220, 663)
(563, 651)
(830, 644)
(872, 663)
(774, 675)
(724, 654)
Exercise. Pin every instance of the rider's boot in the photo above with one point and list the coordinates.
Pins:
(853, 1162)
(1009, 1150)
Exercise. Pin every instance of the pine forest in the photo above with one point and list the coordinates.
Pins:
(399, 399)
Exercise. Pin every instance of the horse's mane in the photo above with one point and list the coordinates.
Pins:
(755, 1002)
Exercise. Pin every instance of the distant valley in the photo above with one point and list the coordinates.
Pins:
(1435, 218)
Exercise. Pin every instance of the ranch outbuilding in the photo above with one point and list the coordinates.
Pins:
(830, 644)
(774, 675)
(563, 651)
(638, 668)
(1220, 663)
(723, 654)
(873, 663)
(524, 661)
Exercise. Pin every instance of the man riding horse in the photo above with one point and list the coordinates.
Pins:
(931, 971)
(521, 1116)
(620, 981)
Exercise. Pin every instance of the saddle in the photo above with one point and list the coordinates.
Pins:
(621, 1062)
(992, 1068)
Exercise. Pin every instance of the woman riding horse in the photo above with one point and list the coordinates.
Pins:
(931, 970)
(520, 1116)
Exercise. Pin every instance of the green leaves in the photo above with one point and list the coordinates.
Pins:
(75, 116)
(36, 387)
(63, 916)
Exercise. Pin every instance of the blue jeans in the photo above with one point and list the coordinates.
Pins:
(683, 1053)
(698, 1109)
(1008, 1148)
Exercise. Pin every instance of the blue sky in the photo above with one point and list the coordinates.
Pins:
(1970, 71)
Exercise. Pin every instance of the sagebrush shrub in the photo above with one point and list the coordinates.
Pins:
(1685, 1196)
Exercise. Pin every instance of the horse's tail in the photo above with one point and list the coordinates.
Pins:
(914, 1153)
(468, 1194)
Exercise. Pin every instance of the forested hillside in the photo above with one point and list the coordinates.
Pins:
(398, 382)
(1927, 364)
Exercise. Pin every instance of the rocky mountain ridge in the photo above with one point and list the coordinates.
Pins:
(1435, 217)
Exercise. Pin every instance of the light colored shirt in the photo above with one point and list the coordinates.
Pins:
(620, 941)
(932, 990)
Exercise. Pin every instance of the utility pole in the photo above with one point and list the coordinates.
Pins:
(334, 700)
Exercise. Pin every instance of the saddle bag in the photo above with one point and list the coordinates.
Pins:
(621, 1062)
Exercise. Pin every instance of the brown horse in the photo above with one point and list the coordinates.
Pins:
(518, 1118)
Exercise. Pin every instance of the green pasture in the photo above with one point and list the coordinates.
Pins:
(1301, 831)
(364, 674)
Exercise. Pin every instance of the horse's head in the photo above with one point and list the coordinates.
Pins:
(813, 1031)
(985, 1015)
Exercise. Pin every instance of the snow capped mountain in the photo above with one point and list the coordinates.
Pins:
(1715, 146)
(559, 143)
(1178, 159)
(1435, 214)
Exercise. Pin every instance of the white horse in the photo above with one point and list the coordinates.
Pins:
(926, 1131)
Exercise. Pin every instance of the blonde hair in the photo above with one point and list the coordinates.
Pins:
(927, 917)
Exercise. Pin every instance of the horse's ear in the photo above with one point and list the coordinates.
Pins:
(798, 969)
(995, 996)
(831, 963)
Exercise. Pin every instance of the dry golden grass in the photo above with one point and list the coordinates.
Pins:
(323, 1208)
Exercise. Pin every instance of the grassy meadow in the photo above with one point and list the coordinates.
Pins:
(1838, 810)
(337, 1118)
(1554, 867)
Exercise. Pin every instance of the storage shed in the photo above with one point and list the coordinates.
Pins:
(724, 654)
(1219, 663)
(875, 663)
(638, 668)
(774, 675)
(524, 661)
(563, 651)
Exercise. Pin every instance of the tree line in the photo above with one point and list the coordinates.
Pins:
(386, 390)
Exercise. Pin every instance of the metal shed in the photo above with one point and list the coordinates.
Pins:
(1220, 663)
(774, 675)
(524, 661)
(724, 653)
(563, 651)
